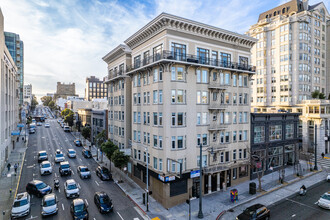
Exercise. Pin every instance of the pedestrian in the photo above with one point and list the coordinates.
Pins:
(8, 166)
(322, 155)
(15, 167)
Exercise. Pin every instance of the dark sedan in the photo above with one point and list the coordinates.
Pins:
(103, 173)
(87, 153)
(256, 211)
(103, 202)
(38, 188)
(78, 209)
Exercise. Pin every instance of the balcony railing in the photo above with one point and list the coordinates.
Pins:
(217, 85)
(217, 106)
(215, 126)
(189, 58)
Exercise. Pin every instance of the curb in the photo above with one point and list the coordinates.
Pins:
(262, 194)
(20, 172)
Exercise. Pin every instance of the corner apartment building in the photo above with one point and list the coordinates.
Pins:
(64, 90)
(119, 96)
(9, 97)
(16, 49)
(190, 89)
(290, 55)
(95, 89)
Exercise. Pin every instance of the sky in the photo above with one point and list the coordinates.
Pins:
(65, 40)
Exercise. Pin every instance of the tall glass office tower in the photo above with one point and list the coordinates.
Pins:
(16, 49)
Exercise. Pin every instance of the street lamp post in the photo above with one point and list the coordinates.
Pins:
(315, 145)
(147, 179)
(200, 212)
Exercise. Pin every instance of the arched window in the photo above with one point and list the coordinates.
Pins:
(266, 16)
(300, 6)
(283, 10)
(274, 13)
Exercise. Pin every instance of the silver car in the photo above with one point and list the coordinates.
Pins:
(324, 201)
(49, 205)
(71, 153)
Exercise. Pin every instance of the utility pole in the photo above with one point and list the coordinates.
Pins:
(315, 145)
(200, 212)
(147, 179)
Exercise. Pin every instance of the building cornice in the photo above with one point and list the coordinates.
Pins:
(120, 50)
(167, 21)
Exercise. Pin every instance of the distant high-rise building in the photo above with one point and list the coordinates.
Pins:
(16, 50)
(27, 93)
(95, 88)
(290, 55)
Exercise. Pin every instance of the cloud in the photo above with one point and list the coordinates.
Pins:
(65, 40)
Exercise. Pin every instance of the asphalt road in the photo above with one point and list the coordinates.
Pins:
(53, 138)
(302, 207)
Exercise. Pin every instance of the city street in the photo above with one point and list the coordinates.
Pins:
(302, 207)
(53, 138)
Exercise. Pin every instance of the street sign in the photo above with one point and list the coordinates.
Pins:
(195, 173)
(20, 125)
(15, 133)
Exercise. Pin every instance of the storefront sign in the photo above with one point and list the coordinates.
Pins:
(161, 178)
(166, 178)
(195, 173)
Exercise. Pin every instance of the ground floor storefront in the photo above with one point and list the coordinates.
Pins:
(175, 189)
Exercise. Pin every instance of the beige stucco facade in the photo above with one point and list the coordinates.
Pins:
(290, 55)
(189, 88)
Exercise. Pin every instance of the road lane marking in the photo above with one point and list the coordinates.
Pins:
(86, 202)
(59, 190)
(72, 172)
(120, 216)
(94, 219)
(80, 159)
(97, 183)
(62, 206)
(55, 175)
(79, 186)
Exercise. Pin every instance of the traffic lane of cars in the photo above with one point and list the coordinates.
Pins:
(302, 207)
(94, 184)
(121, 203)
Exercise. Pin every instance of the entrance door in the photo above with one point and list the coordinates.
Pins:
(214, 182)
(228, 178)
(195, 188)
(206, 183)
(222, 179)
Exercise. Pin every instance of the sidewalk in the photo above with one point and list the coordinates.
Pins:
(216, 203)
(9, 180)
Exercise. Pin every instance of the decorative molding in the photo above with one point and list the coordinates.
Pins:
(170, 22)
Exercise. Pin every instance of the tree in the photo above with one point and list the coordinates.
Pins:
(315, 94)
(100, 139)
(65, 112)
(321, 96)
(51, 105)
(109, 148)
(119, 159)
(86, 132)
(34, 102)
(69, 119)
(46, 100)
(258, 164)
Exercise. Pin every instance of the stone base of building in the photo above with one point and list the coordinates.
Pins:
(177, 191)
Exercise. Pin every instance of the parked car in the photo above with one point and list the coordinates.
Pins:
(39, 123)
(32, 130)
(71, 153)
(59, 157)
(45, 168)
(257, 211)
(84, 172)
(324, 201)
(71, 189)
(78, 209)
(21, 206)
(49, 205)
(64, 168)
(328, 177)
(86, 153)
(103, 202)
(42, 156)
(103, 173)
(38, 188)
(77, 142)
(66, 128)
(47, 125)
